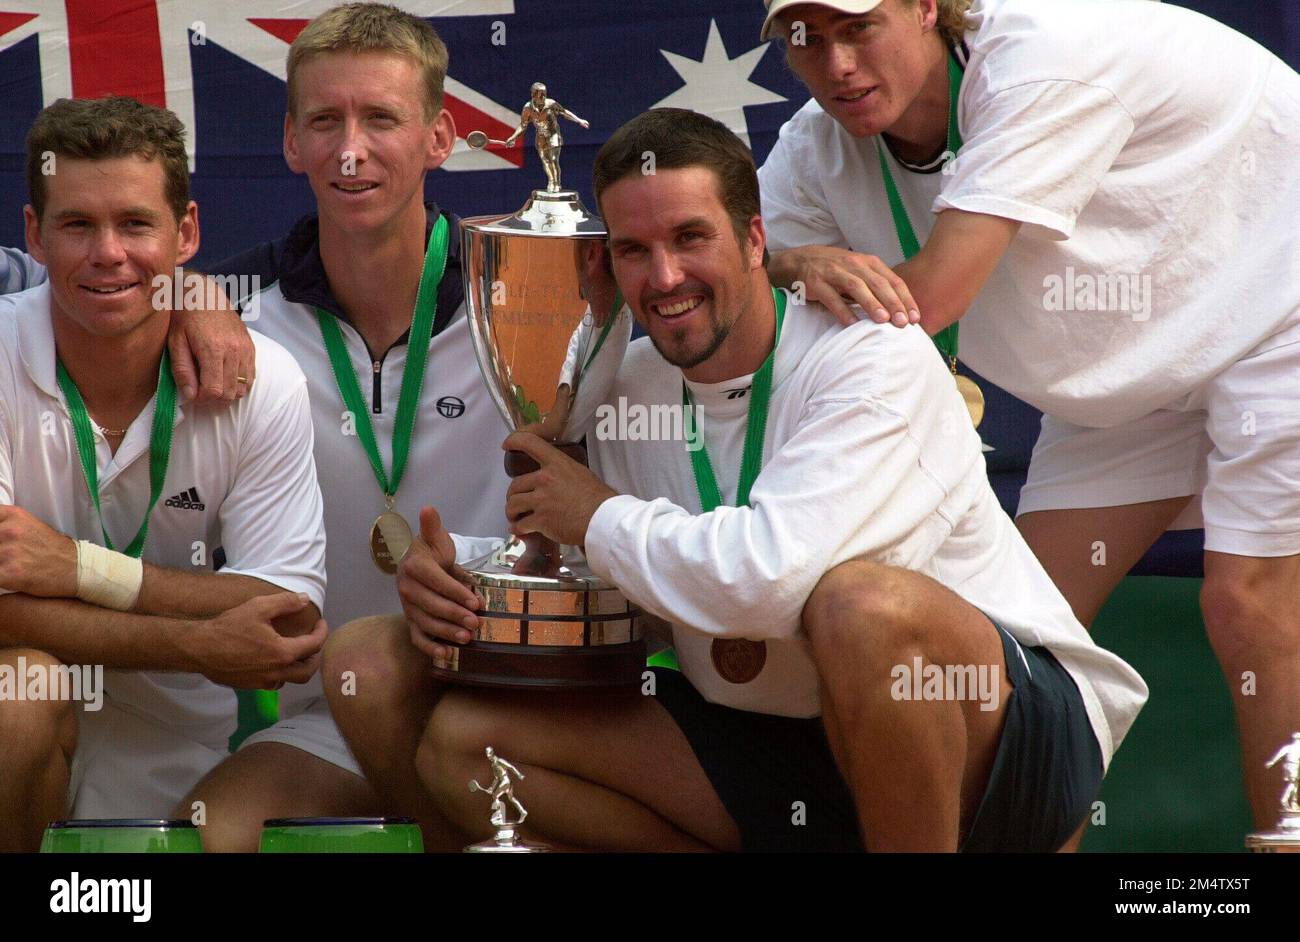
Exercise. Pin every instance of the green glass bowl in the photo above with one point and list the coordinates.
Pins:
(121, 836)
(341, 836)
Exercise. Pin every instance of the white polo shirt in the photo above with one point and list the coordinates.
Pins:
(241, 477)
(455, 463)
(1158, 196)
(869, 453)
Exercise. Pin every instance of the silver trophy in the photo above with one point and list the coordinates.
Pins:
(1285, 838)
(549, 330)
(507, 840)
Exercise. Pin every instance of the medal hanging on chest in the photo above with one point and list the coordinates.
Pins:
(946, 339)
(390, 534)
(739, 660)
(390, 538)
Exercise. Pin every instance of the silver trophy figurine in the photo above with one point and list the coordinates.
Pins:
(1285, 838)
(544, 115)
(508, 839)
(549, 330)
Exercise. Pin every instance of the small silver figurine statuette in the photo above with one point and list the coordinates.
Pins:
(544, 115)
(1286, 837)
(1289, 755)
(502, 790)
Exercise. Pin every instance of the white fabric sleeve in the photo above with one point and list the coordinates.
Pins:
(473, 547)
(795, 210)
(272, 525)
(849, 483)
(6, 450)
(1037, 153)
(19, 271)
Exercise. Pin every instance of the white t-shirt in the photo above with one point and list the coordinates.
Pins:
(1177, 170)
(455, 463)
(869, 452)
(241, 478)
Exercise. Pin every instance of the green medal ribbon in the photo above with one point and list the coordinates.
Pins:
(426, 305)
(755, 430)
(946, 339)
(604, 332)
(160, 445)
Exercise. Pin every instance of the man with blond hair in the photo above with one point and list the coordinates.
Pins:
(114, 496)
(366, 294)
(1115, 234)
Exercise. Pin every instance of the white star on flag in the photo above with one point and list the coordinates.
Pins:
(718, 85)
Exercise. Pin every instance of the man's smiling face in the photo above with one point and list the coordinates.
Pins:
(106, 232)
(679, 261)
(864, 69)
(360, 135)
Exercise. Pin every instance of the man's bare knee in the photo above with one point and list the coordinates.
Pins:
(462, 724)
(367, 660)
(863, 606)
(1241, 624)
(34, 727)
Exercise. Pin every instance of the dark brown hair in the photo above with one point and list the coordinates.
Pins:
(105, 128)
(677, 138)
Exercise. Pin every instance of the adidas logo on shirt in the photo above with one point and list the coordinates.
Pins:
(737, 393)
(185, 500)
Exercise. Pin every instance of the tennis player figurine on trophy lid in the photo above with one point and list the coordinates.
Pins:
(1285, 838)
(508, 840)
(549, 329)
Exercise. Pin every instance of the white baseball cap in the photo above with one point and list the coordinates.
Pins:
(774, 7)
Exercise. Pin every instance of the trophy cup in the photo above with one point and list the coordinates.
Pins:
(1285, 838)
(507, 840)
(549, 331)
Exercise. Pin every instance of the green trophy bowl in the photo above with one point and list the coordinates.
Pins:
(122, 836)
(341, 836)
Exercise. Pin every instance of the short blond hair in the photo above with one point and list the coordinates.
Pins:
(951, 19)
(373, 27)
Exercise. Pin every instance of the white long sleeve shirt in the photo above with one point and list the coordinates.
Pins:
(869, 453)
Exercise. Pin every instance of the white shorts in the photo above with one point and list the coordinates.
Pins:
(309, 727)
(1234, 443)
(129, 766)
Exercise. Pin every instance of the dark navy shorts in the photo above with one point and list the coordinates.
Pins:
(778, 780)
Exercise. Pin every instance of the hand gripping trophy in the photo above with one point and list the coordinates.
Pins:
(502, 790)
(549, 329)
(1286, 837)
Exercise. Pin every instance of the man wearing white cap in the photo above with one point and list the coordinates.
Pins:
(1117, 230)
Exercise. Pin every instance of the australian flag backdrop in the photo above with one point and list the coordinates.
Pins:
(220, 65)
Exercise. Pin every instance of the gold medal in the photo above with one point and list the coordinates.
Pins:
(390, 538)
(973, 396)
(738, 660)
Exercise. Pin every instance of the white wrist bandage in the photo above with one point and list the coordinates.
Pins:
(108, 579)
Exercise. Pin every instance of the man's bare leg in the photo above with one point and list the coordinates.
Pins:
(1066, 543)
(1253, 623)
(37, 740)
(382, 708)
(272, 780)
(602, 771)
(917, 768)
